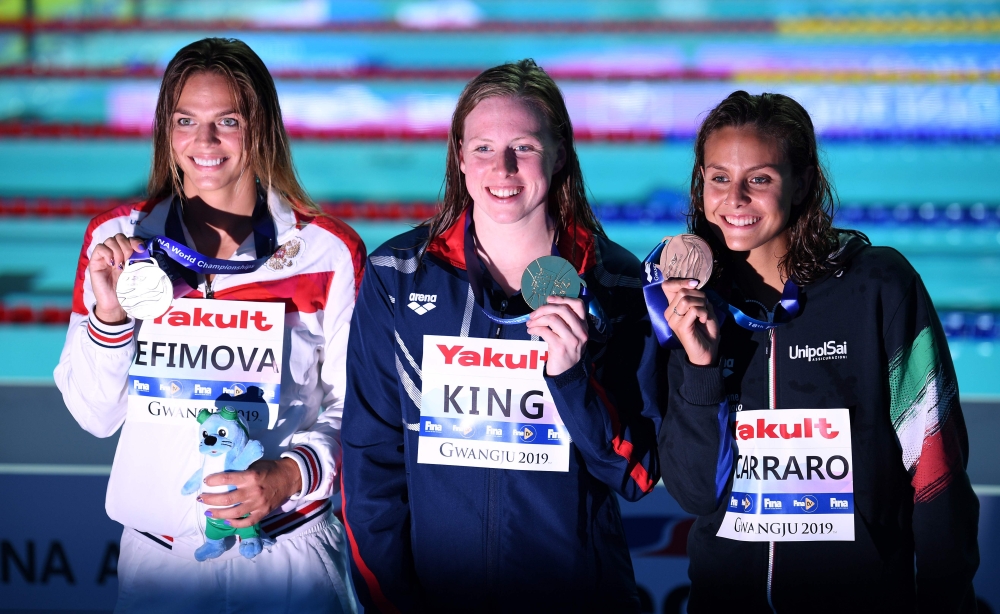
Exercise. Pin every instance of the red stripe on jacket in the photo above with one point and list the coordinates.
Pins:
(117, 339)
(940, 454)
(292, 516)
(313, 465)
(302, 293)
(350, 238)
(371, 581)
(575, 243)
(622, 446)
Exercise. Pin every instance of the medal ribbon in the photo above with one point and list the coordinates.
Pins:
(172, 248)
(788, 307)
(594, 312)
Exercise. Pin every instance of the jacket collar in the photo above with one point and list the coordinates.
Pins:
(152, 223)
(575, 244)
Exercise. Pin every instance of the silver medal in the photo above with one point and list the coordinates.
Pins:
(144, 290)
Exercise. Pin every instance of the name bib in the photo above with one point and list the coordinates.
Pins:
(202, 351)
(794, 479)
(485, 403)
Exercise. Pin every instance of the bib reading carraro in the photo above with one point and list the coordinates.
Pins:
(202, 351)
(793, 479)
(484, 403)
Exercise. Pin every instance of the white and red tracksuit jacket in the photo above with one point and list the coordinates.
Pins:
(316, 273)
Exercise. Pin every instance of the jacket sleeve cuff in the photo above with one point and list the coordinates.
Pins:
(110, 336)
(574, 374)
(702, 385)
(310, 468)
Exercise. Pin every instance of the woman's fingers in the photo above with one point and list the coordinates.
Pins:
(575, 304)
(106, 264)
(572, 315)
(672, 287)
(117, 257)
(559, 326)
(102, 258)
(685, 299)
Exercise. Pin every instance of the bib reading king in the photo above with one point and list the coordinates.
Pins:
(793, 478)
(202, 349)
(484, 403)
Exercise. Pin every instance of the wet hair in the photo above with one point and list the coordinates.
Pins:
(267, 155)
(812, 237)
(526, 81)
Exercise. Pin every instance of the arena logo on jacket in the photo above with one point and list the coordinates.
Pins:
(422, 303)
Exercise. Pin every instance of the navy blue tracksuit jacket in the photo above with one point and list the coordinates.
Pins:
(441, 538)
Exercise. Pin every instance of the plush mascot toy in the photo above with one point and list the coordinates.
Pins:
(226, 446)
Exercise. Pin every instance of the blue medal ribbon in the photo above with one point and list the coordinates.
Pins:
(174, 247)
(788, 307)
(594, 312)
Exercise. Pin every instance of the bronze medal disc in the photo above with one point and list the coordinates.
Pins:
(549, 276)
(687, 257)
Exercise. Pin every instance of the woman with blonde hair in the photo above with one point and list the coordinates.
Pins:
(226, 220)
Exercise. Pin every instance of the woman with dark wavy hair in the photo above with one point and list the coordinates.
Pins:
(222, 192)
(813, 422)
(484, 448)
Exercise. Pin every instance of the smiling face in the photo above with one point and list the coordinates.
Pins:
(207, 136)
(749, 191)
(508, 156)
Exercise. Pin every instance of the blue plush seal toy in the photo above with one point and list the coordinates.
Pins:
(226, 446)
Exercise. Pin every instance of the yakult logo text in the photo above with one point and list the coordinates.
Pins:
(491, 358)
(179, 317)
(831, 350)
(805, 429)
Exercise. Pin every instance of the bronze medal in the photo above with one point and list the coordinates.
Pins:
(687, 257)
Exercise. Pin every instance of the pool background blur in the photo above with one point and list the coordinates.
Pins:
(905, 96)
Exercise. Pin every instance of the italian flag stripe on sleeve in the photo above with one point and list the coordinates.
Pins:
(922, 396)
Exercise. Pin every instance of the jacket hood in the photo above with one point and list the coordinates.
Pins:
(575, 243)
(851, 243)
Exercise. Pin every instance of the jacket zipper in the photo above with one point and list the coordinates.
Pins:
(492, 506)
(772, 403)
(209, 292)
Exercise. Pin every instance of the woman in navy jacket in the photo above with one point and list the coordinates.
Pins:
(440, 538)
(866, 338)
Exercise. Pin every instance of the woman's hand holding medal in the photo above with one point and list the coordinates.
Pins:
(550, 286)
(562, 325)
(690, 315)
(106, 265)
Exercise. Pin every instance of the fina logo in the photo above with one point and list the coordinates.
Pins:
(747, 503)
(422, 303)
(234, 390)
(526, 434)
(172, 388)
(807, 503)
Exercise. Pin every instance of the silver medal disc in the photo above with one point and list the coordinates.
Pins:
(144, 290)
